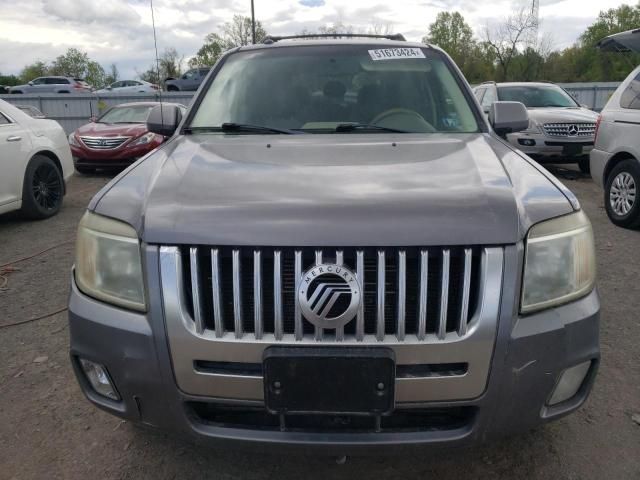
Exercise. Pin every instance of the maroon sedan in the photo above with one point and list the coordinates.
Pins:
(116, 139)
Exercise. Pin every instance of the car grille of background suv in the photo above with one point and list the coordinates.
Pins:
(251, 293)
(103, 143)
(563, 129)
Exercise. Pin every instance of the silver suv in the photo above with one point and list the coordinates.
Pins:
(615, 160)
(53, 85)
(336, 250)
(189, 81)
(560, 130)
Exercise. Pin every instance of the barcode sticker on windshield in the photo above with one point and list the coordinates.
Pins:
(396, 53)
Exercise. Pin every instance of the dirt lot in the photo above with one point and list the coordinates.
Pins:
(48, 430)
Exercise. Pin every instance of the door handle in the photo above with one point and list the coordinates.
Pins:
(14, 138)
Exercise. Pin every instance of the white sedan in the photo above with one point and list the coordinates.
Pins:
(35, 162)
(130, 86)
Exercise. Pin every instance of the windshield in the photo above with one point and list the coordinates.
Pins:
(126, 115)
(315, 89)
(537, 96)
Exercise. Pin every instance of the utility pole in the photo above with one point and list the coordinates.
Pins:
(532, 35)
(253, 24)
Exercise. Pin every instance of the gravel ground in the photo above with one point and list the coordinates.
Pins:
(48, 430)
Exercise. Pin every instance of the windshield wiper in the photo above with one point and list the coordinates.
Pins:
(350, 127)
(241, 127)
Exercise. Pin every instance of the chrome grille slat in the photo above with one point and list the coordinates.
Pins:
(444, 295)
(237, 295)
(402, 293)
(410, 294)
(423, 298)
(297, 315)
(380, 296)
(257, 294)
(215, 291)
(466, 292)
(339, 261)
(360, 314)
(195, 288)
(277, 295)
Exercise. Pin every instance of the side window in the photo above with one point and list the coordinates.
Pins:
(190, 74)
(4, 120)
(631, 96)
(489, 98)
(479, 93)
(116, 85)
(57, 81)
(39, 81)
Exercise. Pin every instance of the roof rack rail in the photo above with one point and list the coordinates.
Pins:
(489, 81)
(269, 39)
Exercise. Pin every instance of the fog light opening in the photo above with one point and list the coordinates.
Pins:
(527, 142)
(99, 379)
(569, 383)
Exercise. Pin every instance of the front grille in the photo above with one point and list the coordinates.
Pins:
(570, 130)
(401, 420)
(103, 143)
(250, 293)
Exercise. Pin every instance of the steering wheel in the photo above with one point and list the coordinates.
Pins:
(403, 119)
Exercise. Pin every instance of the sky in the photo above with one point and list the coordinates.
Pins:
(119, 31)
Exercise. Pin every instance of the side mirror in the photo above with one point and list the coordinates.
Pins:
(164, 119)
(508, 117)
(30, 83)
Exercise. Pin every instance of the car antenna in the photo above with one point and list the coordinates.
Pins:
(155, 44)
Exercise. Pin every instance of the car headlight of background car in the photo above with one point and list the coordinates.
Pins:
(560, 263)
(108, 262)
(144, 139)
(532, 128)
(73, 140)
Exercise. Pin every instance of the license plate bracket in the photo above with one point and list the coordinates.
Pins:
(319, 380)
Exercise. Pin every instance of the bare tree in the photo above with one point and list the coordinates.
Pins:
(380, 28)
(507, 37)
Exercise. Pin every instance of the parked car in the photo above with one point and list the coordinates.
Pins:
(337, 253)
(560, 130)
(116, 139)
(615, 160)
(189, 81)
(53, 85)
(36, 163)
(4, 89)
(130, 86)
(30, 110)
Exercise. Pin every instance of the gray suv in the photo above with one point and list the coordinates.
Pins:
(189, 81)
(335, 249)
(560, 130)
(53, 85)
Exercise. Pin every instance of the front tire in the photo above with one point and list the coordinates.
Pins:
(43, 188)
(621, 194)
(172, 88)
(584, 165)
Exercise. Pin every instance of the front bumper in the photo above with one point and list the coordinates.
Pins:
(529, 355)
(543, 147)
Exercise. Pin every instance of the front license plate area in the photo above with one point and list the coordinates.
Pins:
(570, 150)
(329, 380)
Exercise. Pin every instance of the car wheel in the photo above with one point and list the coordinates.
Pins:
(171, 88)
(85, 170)
(43, 188)
(584, 165)
(621, 194)
(16, 92)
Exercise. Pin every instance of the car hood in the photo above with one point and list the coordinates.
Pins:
(322, 190)
(562, 115)
(112, 130)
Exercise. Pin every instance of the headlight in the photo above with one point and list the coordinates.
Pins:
(72, 139)
(532, 128)
(108, 263)
(560, 263)
(144, 139)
